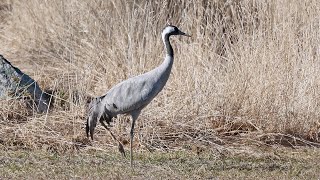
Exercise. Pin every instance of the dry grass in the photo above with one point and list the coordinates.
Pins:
(249, 74)
(268, 163)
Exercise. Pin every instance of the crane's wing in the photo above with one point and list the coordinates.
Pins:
(132, 94)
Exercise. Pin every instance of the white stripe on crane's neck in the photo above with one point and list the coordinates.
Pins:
(166, 31)
(165, 39)
(165, 67)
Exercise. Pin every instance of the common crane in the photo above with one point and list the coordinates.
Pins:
(132, 95)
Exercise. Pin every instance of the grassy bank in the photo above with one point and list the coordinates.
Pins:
(281, 163)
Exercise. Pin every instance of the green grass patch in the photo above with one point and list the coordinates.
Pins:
(273, 163)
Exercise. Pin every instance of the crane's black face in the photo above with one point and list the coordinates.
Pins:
(173, 30)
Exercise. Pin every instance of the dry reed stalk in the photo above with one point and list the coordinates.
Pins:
(250, 66)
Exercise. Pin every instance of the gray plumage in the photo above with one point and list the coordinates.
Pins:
(132, 95)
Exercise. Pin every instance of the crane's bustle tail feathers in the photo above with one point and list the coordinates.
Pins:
(91, 124)
(87, 128)
(91, 133)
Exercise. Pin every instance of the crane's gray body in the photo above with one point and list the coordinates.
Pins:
(132, 95)
(137, 92)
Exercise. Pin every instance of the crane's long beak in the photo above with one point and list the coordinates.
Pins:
(184, 34)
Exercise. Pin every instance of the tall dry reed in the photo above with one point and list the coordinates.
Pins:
(250, 66)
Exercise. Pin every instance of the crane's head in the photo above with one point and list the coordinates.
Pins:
(173, 30)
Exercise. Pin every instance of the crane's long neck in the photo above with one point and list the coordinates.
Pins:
(165, 39)
(168, 61)
(163, 71)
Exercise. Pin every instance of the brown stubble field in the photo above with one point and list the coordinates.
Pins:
(242, 100)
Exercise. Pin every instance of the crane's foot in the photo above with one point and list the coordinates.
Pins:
(121, 150)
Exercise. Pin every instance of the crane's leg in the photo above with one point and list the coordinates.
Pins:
(121, 149)
(134, 116)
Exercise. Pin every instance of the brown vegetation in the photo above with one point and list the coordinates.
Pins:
(250, 72)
